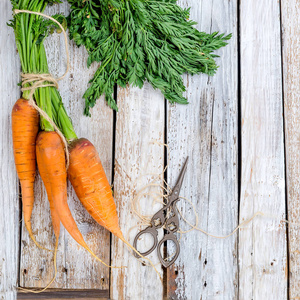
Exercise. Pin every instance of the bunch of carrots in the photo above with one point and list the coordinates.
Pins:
(35, 143)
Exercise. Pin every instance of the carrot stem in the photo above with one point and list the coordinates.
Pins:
(30, 45)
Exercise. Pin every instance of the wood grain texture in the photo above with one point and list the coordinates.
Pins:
(262, 244)
(140, 121)
(290, 11)
(67, 294)
(9, 200)
(206, 131)
(76, 268)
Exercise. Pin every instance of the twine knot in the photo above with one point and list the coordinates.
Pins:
(39, 80)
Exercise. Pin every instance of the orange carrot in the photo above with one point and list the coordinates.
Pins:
(52, 167)
(25, 126)
(54, 215)
(44, 175)
(90, 183)
(50, 153)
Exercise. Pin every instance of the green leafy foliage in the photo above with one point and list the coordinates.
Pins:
(139, 40)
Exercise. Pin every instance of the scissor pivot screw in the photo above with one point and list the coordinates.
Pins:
(172, 227)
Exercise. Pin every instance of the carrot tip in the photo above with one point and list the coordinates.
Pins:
(37, 291)
(34, 240)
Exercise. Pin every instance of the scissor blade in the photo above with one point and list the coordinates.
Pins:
(178, 185)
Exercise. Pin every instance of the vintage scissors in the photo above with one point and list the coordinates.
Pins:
(167, 217)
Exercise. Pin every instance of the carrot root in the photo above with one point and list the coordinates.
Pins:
(51, 281)
(100, 260)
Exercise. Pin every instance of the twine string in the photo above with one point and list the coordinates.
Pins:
(45, 80)
(157, 182)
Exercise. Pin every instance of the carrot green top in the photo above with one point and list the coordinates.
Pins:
(30, 33)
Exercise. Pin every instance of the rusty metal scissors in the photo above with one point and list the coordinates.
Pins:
(167, 217)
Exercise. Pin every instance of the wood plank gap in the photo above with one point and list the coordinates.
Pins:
(114, 136)
(210, 150)
(166, 158)
(113, 173)
(239, 136)
(20, 233)
(66, 294)
(285, 156)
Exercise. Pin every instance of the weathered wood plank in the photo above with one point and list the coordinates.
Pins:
(67, 294)
(290, 11)
(140, 121)
(9, 200)
(262, 244)
(206, 131)
(76, 267)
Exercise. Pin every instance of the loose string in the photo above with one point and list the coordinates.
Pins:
(40, 81)
(160, 196)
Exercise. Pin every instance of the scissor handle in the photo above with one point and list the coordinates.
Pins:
(152, 230)
(168, 237)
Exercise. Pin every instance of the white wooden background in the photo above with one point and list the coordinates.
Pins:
(241, 131)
